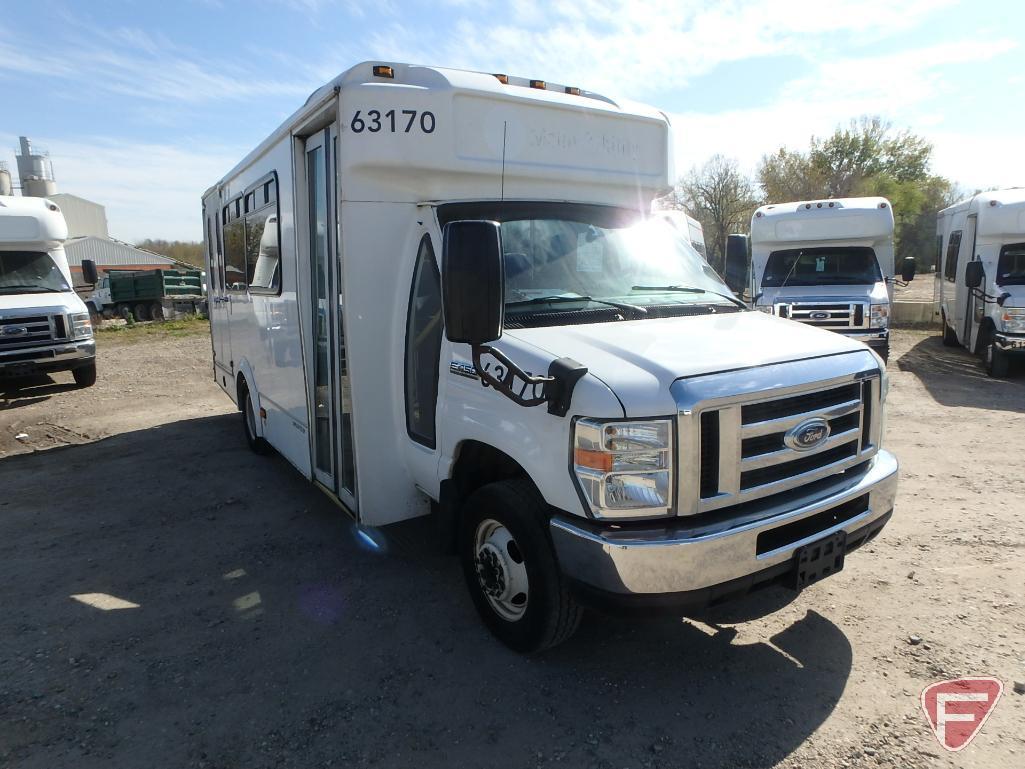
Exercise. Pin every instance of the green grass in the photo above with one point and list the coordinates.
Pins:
(191, 325)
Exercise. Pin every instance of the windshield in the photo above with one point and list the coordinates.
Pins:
(565, 257)
(1011, 267)
(822, 266)
(29, 272)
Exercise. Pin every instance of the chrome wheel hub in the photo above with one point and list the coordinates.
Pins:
(501, 570)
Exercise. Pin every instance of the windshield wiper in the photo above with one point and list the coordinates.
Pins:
(577, 298)
(33, 289)
(689, 290)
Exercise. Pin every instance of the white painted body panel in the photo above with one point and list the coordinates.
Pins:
(36, 224)
(556, 147)
(987, 221)
(850, 222)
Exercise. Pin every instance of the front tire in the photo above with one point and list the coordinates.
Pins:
(85, 376)
(998, 365)
(257, 444)
(510, 567)
(949, 336)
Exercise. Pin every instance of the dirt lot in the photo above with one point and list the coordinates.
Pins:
(260, 633)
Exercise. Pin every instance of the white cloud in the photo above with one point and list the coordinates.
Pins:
(150, 190)
(901, 87)
(641, 49)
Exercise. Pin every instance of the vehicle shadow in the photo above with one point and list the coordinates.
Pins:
(217, 610)
(26, 390)
(954, 377)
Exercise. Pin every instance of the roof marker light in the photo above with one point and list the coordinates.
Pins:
(818, 205)
(503, 79)
(572, 91)
(807, 205)
(831, 204)
(882, 205)
(992, 202)
(538, 84)
(383, 70)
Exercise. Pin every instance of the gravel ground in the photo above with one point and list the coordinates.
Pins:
(260, 633)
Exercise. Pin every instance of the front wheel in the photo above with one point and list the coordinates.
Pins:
(85, 376)
(997, 363)
(949, 335)
(510, 567)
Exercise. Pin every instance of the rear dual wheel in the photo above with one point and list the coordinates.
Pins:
(510, 567)
(257, 444)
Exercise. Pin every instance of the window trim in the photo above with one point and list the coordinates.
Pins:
(271, 178)
(432, 441)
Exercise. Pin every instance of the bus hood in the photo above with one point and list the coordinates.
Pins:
(68, 301)
(640, 359)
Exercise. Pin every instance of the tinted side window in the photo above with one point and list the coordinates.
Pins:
(953, 246)
(262, 251)
(423, 347)
(235, 256)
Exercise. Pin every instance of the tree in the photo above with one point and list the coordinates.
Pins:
(866, 158)
(189, 252)
(720, 197)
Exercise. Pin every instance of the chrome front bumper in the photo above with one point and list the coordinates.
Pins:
(52, 357)
(1010, 342)
(683, 556)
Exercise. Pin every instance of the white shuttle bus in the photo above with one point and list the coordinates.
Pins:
(442, 292)
(44, 324)
(829, 264)
(980, 276)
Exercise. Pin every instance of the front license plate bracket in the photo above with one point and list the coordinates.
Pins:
(820, 559)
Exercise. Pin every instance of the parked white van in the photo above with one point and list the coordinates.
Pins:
(980, 276)
(829, 264)
(44, 325)
(473, 313)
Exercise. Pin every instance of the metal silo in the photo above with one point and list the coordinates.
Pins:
(35, 170)
(5, 180)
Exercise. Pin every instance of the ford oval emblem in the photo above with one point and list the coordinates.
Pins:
(819, 315)
(14, 330)
(807, 435)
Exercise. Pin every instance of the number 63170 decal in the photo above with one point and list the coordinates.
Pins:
(392, 121)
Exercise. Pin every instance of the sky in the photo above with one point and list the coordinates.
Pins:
(143, 105)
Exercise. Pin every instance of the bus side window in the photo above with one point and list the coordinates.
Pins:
(235, 255)
(953, 246)
(423, 347)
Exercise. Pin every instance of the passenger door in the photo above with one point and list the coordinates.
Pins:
(330, 392)
(968, 302)
(216, 300)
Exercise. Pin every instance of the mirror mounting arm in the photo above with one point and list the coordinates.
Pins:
(510, 372)
(556, 389)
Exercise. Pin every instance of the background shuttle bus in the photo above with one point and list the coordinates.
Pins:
(827, 263)
(413, 234)
(980, 276)
(44, 324)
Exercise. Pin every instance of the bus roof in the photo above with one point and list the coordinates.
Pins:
(26, 220)
(820, 220)
(482, 125)
(1000, 212)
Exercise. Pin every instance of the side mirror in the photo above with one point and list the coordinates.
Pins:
(907, 269)
(473, 281)
(89, 272)
(974, 274)
(737, 262)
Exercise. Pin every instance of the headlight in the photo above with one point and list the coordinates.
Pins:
(767, 308)
(81, 326)
(625, 469)
(1012, 320)
(879, 315)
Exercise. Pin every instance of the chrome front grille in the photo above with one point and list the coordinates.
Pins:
(825, 315)
(28, 331)
(738, 441)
